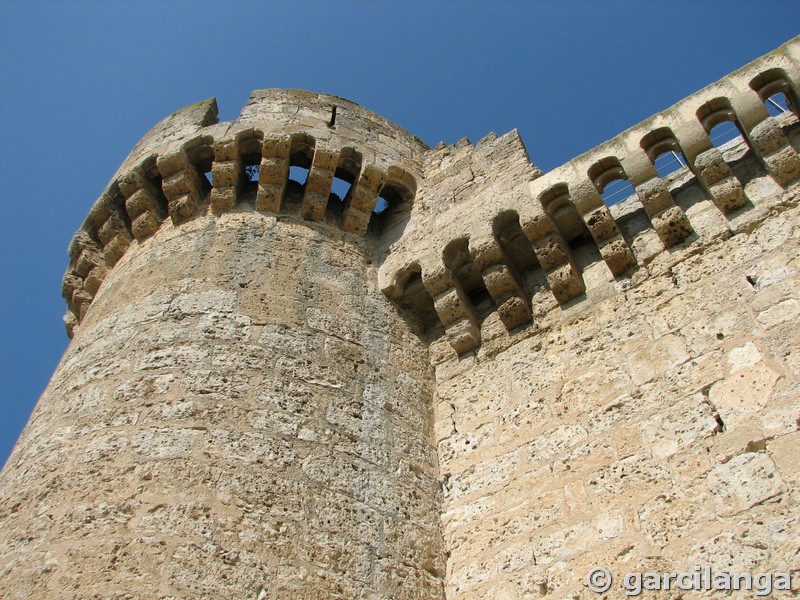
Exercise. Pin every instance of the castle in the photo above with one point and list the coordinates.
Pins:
(314, 358)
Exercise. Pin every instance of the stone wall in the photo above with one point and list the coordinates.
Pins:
(241, 414)
(616, 383)
(463, 378)
(653, 430)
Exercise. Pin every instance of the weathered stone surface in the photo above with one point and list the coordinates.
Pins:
(484, 391)
(228, 449)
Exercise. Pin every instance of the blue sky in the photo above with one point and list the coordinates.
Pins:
(81, 82)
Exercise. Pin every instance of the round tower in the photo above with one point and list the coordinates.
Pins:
(241, 412)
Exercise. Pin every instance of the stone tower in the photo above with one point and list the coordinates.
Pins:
(314, 358)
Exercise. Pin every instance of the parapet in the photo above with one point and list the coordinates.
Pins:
(507, 233)
(190, 164)
(461, 231)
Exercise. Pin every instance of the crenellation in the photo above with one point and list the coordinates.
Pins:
(500, 280)
(362, 199)
(182, 124)
(555, 257)
(183, 187)
(227, 172)
(171, 181)
(452, 306)
(143, 203)
(318, 185)
(716, 176)
(774, 149)
(108, 224)
(273, 172)
(583, 208)
(668, 220)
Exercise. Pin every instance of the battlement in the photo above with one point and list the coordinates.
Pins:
(189, 164)
(500, 235)
(473, 224)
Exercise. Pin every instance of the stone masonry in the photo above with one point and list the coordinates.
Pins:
(314, 358)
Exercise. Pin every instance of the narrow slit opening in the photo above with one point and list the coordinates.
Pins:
(340, 189)
(251, 164)
(777, 104)
(298, 175)
(669, 162)
(724, 134)
(616, 191)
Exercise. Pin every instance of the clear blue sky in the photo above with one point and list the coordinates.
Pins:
(83, 81)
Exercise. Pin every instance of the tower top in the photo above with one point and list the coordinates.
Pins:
(190, 163)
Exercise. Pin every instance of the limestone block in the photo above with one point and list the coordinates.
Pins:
(140, 201)
(500, 281)
(356, 221)
(318, 186)
(785, 452)
(110, 228)
(226, 173)
(70, 323)
(116, 247)
(81, 300)
(742, 550)
(584, 458)
(70, 283)
(550, 252)
(782, 312)
(199, 303)
(653, 359)
(617, 255)
(679, 427)
(725, 189)
(668, 517)
(728, 194)
(223, 199)
(690, 465)
(572, 540)
(483, 479)
(464, 335)
(627, 440)
(672, 226)
(145, 225)
(743, 357)
(646, 246)
(514, 312)
(181, 185)
(95, 278)
(784, 165)
(160, 443)
(655, 196)
(744, 481)
(365, 190)
(450, 306)
(601, 224)
(767, 137)
(565, 283)
(273, 171)
(711, 166)
(742, 394)
(90, 258)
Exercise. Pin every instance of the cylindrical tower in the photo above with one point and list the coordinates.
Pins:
(241, 413)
